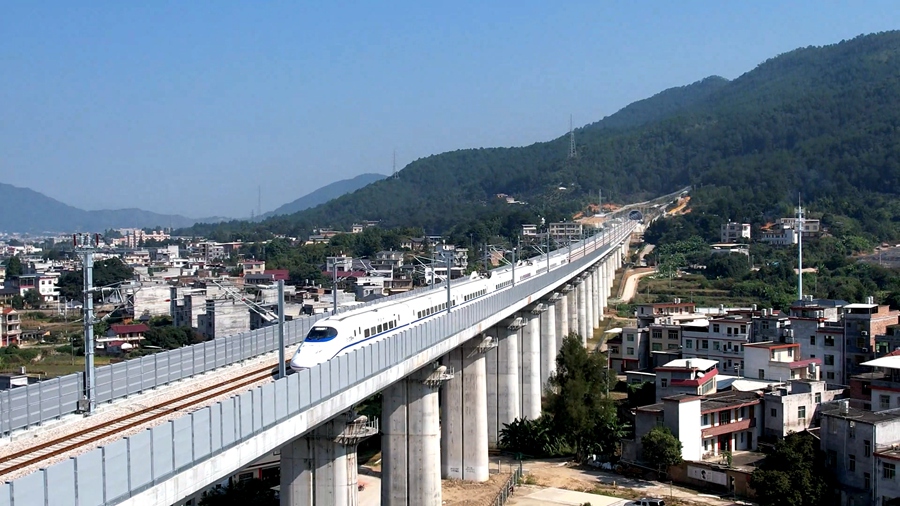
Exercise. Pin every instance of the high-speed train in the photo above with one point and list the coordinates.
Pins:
(341, 333)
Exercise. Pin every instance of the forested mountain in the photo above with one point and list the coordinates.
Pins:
(325, 193)
(25, 210)
(818, 122)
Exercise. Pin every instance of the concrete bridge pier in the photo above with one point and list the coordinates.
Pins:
(589, 302)
(562, 315)
(464, 442)
(581, 291)
(321, 467)
(411, 440)
(531, 362)
(600, 301)
(573, 308)
(604, 289)
(508, 406)
(548, 338)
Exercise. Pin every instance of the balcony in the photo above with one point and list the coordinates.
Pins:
(728, 428)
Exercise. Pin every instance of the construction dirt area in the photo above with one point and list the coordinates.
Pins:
(543, 474)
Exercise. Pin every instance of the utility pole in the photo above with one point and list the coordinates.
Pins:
(799, 248)
(86, 243)
(449, 299)
(334, 284)
(282, 370)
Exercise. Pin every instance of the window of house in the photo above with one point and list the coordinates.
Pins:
(672, 346)
(829, 340)
(867, 481)
(689, 343)
(812, 340)
(673, 334)
(629, 338)
(852, 430)
(885, 401)
(889, 471)
(867, 448)
(664, 382)
(656, 347)
(715, 327)
(743, 329)
(801, 412)
(765, 325)
(656, 334)
(704, 344)
(829, 375)
(831, 457)
(716, 345)
(704, 420)
(851, 463)
(829, 359)
(724, 417)
(630, 351)
(818, 398)
(762, 374)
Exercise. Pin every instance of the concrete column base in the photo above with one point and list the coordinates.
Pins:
(321, 468)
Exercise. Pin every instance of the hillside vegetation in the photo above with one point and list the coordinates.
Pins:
(817, 122)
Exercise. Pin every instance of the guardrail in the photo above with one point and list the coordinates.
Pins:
(117, 471)
(508, 488)
(24, 407)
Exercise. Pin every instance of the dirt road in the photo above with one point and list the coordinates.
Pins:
(559, 474)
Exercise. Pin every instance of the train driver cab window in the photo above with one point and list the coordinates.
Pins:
(321, 334)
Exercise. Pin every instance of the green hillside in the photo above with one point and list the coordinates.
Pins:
(821, 122)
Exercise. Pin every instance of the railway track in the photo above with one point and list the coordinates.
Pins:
(43, 451)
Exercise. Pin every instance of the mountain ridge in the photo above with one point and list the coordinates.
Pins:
(816, 121)
(324, 194)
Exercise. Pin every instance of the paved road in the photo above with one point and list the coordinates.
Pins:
(370, 495)
(535, 496)
(631, 282)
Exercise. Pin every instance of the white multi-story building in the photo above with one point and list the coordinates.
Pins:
(706, 425)
(795, 406)
(733, 232)
(779, 362)
(721, 338)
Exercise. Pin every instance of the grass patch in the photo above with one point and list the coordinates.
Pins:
(689, 288)
(49, 363)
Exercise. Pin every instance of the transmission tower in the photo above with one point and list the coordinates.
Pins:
(572, 152)
(395, 175)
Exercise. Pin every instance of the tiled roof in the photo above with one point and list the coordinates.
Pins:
(129, 329)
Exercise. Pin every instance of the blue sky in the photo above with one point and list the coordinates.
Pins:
(188, 107)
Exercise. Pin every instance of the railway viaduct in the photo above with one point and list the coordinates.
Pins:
(448, 385)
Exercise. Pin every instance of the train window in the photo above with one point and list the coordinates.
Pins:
(380, 328)
(367, 333)
(419, 314)
(320, 334)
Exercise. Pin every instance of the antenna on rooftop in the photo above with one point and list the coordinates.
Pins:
(259, 200)
(395, 175)
(572, 153)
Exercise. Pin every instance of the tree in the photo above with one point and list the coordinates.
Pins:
(661, 448)
(251, 492)
(17, 302)
(13, 267)
(576, 399)
(33, 299)
(793, 474)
